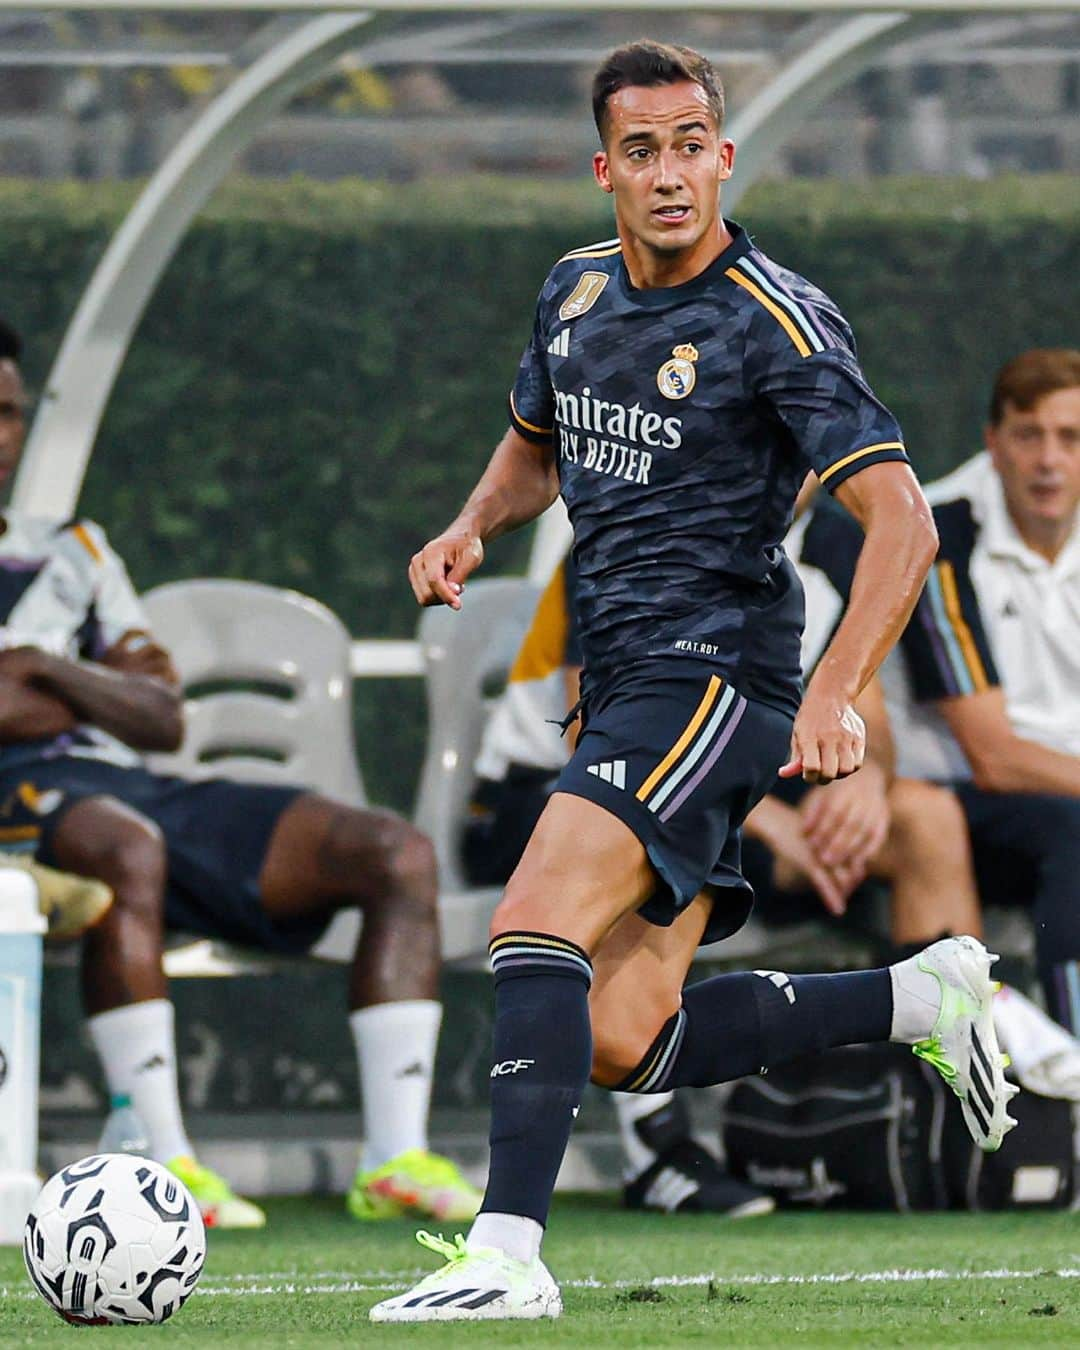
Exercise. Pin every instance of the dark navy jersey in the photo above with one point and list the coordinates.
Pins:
(684, 419)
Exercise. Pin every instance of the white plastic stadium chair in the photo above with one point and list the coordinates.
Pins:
(268, 699)
(467, 655)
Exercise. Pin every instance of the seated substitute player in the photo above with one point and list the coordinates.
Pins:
(993, 655)
(676, 388)
(523, 752)
(86, 688)
(810, 845)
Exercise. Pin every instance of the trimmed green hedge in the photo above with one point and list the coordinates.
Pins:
(321, 375)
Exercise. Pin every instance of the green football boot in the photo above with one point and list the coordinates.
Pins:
(415, 1182)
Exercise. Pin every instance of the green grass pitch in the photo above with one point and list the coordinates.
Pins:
(631, 1280)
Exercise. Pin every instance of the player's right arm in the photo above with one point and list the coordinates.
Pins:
(26, 713)
(123, 682)
(1002, 761)
(519, 484)
(951, 664)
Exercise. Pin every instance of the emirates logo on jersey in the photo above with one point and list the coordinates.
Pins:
(677, 377)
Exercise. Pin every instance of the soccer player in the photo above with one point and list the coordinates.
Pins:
(665, 1168)
(993, 654)
(84, 688)
(676, 387)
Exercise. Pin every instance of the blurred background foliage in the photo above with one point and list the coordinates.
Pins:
(322, 373)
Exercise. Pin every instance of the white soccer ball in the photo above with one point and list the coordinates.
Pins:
(113, 1238)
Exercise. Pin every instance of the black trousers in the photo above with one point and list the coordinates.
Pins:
(502, 816)
(1027, 851)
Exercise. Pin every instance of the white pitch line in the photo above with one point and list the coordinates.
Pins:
(259, 1287)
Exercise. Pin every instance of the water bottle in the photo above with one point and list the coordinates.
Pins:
(21, 927)
(124, 1131)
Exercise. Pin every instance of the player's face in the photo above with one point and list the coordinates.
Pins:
(12, 420)
(1037, 455)
(664, 159)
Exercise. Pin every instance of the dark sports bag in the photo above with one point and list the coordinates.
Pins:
(872, 1127)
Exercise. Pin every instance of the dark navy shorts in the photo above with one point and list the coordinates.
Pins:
(681, 757)
(216, 833)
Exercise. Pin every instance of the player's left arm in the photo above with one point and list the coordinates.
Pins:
(900, 542)
(123, 681)
(144, 710)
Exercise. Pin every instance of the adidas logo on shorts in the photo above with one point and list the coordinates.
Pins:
(613, 772)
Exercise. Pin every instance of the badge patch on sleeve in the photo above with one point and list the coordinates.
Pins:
(584, 295)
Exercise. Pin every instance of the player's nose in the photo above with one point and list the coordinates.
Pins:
(668, 172)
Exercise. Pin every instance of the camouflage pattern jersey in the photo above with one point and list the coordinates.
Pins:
(684, 421)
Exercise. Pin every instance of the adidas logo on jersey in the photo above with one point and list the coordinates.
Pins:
(613, 772)
(561, 345)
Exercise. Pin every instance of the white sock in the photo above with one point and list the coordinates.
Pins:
(137, 1048)
(630, 1107)
(916, 1001)
(395, 1052)
(513, 1234)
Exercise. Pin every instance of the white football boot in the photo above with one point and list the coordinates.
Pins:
(942, 1003)
(474, 1286)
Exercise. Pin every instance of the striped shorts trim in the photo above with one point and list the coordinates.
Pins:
(694, 754)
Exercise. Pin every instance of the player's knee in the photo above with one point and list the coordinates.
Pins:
(135, 861)
(617, 1051)
(404, 860)
(624, 1033)
(518, 912)
(923, 817)
(105, 839)
(413, 865)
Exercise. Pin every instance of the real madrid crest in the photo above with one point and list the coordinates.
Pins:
(677, 377)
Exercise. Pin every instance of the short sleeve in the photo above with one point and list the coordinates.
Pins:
(532, 399)
(838, 424)
(116, 605)
(945, 645)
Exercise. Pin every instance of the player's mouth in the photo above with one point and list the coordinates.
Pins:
(1045, 494)
(671, 215)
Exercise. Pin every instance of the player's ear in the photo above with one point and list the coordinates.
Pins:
(727, 159)
(601, 170)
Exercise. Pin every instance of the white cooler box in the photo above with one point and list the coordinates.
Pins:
(21, 929)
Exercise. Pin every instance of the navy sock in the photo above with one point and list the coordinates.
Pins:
(733, 1025)
(543, 1055)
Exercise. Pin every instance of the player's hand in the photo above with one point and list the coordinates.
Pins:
(795, 864)
(846, 823)
(22, 665)
(137, 653)
(438, 572)
(828, 740)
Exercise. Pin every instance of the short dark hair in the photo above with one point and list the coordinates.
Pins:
(1032, 375)
(648, 64)
(10, 343)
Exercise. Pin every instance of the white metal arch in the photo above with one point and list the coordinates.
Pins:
(800, 85)
(84, 372)
(81, 380)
